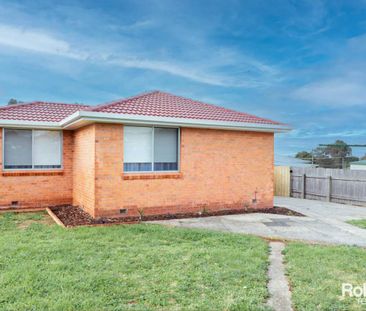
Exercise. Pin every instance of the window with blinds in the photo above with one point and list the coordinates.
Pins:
(32, 149)
(148, 149)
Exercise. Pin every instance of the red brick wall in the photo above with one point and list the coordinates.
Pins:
(38, 188)
(84, 168)
(219, 170)
(108, 169)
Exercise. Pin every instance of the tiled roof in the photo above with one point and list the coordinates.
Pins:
(156, 103)
(39, 111)
(161, 104)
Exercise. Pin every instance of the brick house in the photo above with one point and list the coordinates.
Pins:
(154, 153)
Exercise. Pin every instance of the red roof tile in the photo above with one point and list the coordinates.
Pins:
(156, 103)
(39, 111)
(163, 104)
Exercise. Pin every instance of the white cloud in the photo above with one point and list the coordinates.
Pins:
(35, 41)
(340, 82)
(252, 73)
(318, 133)
(186, 71)
(136, 26)
(343, 91)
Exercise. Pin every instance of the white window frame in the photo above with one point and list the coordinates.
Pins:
(152, 150)
(33, 168)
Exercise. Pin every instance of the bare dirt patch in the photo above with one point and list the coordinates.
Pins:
(72, 216)
(46, 220)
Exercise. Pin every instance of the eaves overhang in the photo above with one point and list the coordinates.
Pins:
(24, 124)
(83, 118)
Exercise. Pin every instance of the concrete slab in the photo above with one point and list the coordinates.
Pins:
(280, 295)
(324, 223)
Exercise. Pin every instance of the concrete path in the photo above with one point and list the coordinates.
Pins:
(280, 299)
(325, 223)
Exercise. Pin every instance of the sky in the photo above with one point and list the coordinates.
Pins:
(299, 62)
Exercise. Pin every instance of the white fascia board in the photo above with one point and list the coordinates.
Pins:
(70, 119)
(81, 118)
(30, 124)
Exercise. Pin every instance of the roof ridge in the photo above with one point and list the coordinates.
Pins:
(57, 103)
(118, 101)
(39, 102)
(17, 105)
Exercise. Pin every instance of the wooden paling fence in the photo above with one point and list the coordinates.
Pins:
(282, 181)
(333, 185)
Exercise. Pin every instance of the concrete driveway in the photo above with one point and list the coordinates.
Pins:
(325, 223)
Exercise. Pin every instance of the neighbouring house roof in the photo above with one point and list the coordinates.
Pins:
(362, 162)
(284, 160)
(149, 108)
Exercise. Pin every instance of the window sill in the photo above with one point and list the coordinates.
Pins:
(31, 173)
(137, 176)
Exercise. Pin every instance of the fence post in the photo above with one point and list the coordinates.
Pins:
(303, 184)
(329, 194)
(290, 183)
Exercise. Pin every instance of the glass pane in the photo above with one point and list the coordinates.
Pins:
(165, 149)
(137, 167)
(18, 149)
(47, 149)
(137, 148)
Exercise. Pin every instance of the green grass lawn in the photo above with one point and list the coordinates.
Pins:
(358, 222)
(127, 267)
(316, 274)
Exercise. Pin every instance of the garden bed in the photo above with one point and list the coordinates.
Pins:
(72, 216)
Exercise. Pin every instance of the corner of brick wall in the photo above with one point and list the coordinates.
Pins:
(84, 168)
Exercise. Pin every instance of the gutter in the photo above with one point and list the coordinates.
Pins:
(30, 124)
(82, 118)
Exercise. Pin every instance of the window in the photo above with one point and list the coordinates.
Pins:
(149, 149)
(138, 148)
(32, 149)
(165, 149)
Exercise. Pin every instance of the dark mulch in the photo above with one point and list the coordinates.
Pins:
(282, 211)
(74, 216)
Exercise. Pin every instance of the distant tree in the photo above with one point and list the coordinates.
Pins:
(363, 158)
(338, 149)
(337, 155)
(303, 155)
(12, 101)
(319, 152)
